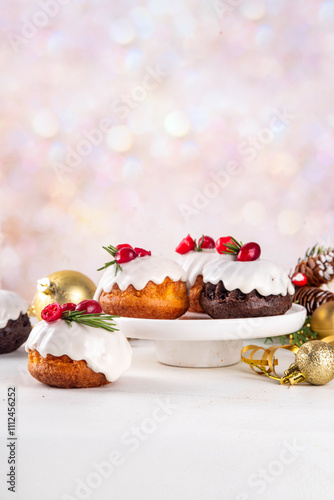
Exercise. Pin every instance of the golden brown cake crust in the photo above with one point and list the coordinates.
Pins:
(169, 300)
(194, 293)
(62, 371)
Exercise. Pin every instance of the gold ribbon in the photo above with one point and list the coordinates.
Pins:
(266, 365)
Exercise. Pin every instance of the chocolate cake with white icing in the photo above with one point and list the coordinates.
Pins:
(14, 322)
(193, 263)
(245, 289)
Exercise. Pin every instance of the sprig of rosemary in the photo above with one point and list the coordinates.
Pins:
(112, 251)
(98, 320)
(198, 247)
(305, 334)
(233, 248)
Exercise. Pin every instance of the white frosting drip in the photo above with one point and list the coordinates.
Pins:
(262, 275)
(104, 352)
(194, 262)
(11, 306)
(139, 272)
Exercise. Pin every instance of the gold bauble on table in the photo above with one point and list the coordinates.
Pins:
(322, 320)
(315, 360)
(62, 287)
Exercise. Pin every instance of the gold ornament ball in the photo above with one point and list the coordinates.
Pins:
(322, 320)
(62, 287)
(315, 360)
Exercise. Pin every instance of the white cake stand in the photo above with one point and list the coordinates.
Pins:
(198, 341)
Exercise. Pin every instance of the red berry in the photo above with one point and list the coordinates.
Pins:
(221, 242)
(141, 252)
(206, 242)
(89, 306)
(249, 251)
(69, 306)
(52, 312)
(299, 279)
(123, 245)
(186, 245)
(124, 255)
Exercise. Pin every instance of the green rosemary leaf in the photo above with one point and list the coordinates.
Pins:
(97, 320)
(232, 249)
(107, 264)
(198, 247)
(112, 251)
(236, 242)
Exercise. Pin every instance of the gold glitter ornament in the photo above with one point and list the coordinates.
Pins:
(322, 320)
(62, 287)
(314, 363)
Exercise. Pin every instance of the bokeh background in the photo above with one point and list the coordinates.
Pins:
(140, 121)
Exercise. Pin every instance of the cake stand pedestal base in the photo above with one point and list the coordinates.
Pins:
(198, 354)
(198, 341)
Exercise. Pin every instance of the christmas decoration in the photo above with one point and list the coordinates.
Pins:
(54, 312)
(206, 242)
(61, 287)
(245, 253)
(314, 278)
(188, 244)
(89, 306)
(312, 297)
(317, 266)
(116, 253)
(221, 244)
(122, 254)
(299, 279)
(305, 334)
(322, 320)
(314, 363)
(141, 252)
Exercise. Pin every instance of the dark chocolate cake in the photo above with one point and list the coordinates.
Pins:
(14, 334)
(221, 303)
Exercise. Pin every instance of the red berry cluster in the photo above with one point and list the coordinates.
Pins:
(225, 244)
(126, 252)
(188, 244)
(55, 311)
(245, 253)
(123, 253)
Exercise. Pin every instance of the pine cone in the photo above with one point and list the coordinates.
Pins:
(318, 266)
(312, 297)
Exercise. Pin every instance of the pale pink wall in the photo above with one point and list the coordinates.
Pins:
(190, 91)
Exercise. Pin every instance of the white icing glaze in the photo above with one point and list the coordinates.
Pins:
(107, 352)
(194, 262)
(139, 272)
(11, 306)
(262, 275)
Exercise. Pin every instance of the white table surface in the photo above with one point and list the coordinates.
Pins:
(226, 434)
